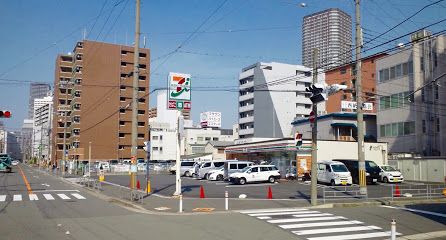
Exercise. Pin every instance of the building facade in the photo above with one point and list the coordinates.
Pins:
(345, 75)
(330, 31)
(42, 128)
(411, 102)
(26, 138)
(195, 138)
(93, 94)
(271, 96)
(36, 90)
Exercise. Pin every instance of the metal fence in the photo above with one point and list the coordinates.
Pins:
(342, 192)
(423, 191)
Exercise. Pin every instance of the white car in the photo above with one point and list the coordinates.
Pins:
(256, 173)
(389, 174)
(333, 173)
(217, 174)
(185, 168)
(15, 162)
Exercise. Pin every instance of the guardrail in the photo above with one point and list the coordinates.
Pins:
(428, 191)
(342, 192)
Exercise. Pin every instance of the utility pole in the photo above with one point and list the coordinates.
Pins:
(178, 156)
(134, 150)
(359, 111)
(314, 138)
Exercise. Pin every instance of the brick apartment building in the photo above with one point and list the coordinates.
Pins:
(345, 75)
(93, 89)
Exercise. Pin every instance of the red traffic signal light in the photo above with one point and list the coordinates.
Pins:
(5, 114)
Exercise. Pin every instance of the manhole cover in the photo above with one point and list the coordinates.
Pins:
(203, 209)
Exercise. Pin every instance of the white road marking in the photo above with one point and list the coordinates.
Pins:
(63, 196)
(33, 197)
(319, 224)
(78, 196)
(354, 236)
(17, 198)
(313, 215)
(45, 184)
(417, 211)
(281, 213)
(265, 217)
(222, 183)
(335, 230)
(2, 198)
(48, 196)
(250, 185)
(272, 210)
(56, 191)
(289, 220)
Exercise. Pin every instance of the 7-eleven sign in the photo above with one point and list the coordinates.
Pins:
(179, 91)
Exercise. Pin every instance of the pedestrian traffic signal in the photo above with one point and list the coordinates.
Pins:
(5, 114)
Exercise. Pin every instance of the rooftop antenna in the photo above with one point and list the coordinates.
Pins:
(84, 33)
(144, 41)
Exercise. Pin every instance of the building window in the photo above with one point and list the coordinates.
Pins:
(141, 100)
(121, 123)
(161, 137)
(343, 70)
(143, 55)
(154, 148)
(207, 139)
(76, 119)
(122, 110)
(142, 78)
(215, 139)
(141, 124)
(142, 66)
(78, 81)
(121, 135)
(154, 137)
(141, 89)
(78, 56)
(140, 135)
(122, 87)
(397, 129)
(121, 147)
(161, 149)
(141, 111)
(307, 106)
(122, 99)
(123, 64)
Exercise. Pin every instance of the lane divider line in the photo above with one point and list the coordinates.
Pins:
(28, 187)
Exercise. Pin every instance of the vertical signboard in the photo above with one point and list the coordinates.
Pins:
(179, 91)
(210, 119)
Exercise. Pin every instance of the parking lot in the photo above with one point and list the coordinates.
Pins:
(163, 183)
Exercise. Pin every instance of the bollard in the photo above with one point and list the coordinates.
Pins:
(393, 230)
(226, 201)
(181, 204)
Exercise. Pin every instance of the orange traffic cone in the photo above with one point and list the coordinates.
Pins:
(138, 185)
(202, 192)
(397, 191)
(270, 193)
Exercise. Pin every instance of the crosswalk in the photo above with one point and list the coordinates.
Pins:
(43, 196)
(314, 225)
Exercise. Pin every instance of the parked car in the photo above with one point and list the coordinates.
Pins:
(216, 174)
(114, 162)
(105, 166)
(208, 166)
(371, 168)
(333, 173)
(255, 173)
(127, 162)
(15, 162)
(232, 166)
(185, 168)
(389, 174)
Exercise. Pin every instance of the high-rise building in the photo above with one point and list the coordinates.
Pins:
(411, 102)
(93, 95)
(271, 96)
(36, 90)
(43, 113)
(330, 31)
(26, 139)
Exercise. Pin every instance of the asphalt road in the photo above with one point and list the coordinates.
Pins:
(164, 184)
(59, 214)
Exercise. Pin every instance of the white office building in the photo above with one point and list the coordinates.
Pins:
(271, 96)
(412, 102)
(41, 143)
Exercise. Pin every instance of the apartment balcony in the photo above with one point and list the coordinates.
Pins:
(246, 74)
(250, 107)
(246, 120)
(246, 131)
(246, 97)
(247, 85)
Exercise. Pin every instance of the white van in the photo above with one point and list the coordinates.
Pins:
(235, 166)
(255, 173)
(206, 166)
(185, 168)
(333, 173)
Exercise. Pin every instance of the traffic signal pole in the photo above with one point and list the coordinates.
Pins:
(314, 138)
(359, 111)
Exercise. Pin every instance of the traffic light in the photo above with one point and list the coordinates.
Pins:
(320, 91)
(298, 139)
(5, 114)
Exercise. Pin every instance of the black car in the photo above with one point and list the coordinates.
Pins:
(371, 168)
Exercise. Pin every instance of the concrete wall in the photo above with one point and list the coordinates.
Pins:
(423, 169)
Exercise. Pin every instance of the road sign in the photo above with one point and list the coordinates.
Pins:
(311, 117)
(179, 93)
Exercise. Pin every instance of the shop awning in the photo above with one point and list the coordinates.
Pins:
(343, 125)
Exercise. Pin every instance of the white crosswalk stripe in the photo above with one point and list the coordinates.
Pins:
(17, 198)
(78, 196)
(48, 196)
(63, 196)
(40, 196)
(316, 225)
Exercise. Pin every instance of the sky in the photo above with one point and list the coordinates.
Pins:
(214, 39)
